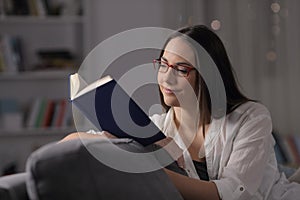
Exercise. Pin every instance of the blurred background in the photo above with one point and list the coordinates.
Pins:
(43, 41)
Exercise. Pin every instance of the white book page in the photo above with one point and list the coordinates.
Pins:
(77, 88)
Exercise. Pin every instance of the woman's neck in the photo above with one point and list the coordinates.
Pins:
(187, 123)
(184, 117)
(191, 132)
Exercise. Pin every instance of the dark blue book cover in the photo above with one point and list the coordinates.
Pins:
(108, 107)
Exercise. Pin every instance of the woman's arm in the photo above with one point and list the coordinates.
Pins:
(77, 135)
(192, 188)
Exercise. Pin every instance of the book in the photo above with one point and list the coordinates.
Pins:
(11, 59)
(61, 113)
(33, 113)
(41, 113)
(11, 117)
(108, 107)
(291, 142)
(48, 113)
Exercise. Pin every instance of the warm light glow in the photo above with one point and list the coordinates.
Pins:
(215, 24)
(275, 7)
(271, 56)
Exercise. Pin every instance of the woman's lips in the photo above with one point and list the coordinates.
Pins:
(168, 91)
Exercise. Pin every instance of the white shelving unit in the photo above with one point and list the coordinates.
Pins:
(16, 145)
(38, 32)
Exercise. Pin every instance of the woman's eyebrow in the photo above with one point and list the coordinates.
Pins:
(178, 63)
(184, 63)
(164, 59)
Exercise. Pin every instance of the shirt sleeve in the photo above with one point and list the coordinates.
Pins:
(91, 131)
(251, 148)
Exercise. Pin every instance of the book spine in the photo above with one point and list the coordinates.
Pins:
(10, 114)
(39, 120)
(297, 143)
(41, 8)
(33, 7)
(292, 145)
(61, 113)
(56, 110)
(10, 62)
(2, 61)
(48, 113)
(33, 114)
(66, 122)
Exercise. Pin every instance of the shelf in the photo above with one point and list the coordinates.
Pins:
(36, 33)
(37, 132)
(36, 75)
(41, 19)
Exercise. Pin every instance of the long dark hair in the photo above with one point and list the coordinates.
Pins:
(216, 50)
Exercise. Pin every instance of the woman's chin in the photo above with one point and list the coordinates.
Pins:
(171, 102)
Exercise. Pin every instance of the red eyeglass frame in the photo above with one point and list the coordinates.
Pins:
(189, 68)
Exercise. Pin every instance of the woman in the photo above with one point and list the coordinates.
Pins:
(227, 154)
(241, 162)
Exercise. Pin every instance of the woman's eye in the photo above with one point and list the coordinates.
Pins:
(182, 69)
(162, 65)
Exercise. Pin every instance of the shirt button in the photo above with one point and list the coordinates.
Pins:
(241, 188)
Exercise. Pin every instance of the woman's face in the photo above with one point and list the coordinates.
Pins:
(178, 90)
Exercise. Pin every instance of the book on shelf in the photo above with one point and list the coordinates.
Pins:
(108, 107)
(11, 117)
(56, 59)
(287, 148)
(49, 113)
(11, 58)
(33, 113)
(61, 113)
(40, 7)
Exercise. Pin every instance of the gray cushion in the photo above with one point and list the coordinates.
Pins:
(68, 171)
(12, 187)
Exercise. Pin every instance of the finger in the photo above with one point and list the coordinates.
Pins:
(108, 135)
(180, 162)
(164, 142)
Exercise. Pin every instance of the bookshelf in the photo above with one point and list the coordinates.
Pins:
(52, 46)
(25, 88)
(287, 149)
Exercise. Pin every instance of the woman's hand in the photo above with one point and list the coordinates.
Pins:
(173, 149)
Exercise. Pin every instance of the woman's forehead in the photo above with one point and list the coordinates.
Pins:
(181, 48)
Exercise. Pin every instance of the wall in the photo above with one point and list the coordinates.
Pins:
(110, 17)
(262, 39)
(262, 43)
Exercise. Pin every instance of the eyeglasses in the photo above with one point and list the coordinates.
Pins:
(181, 69)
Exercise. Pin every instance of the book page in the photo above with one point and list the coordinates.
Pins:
(76, 84)
(79, 87)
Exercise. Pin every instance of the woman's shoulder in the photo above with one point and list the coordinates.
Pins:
(252, 109)
(251, 119)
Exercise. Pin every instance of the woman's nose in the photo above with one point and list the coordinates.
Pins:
(169, 76)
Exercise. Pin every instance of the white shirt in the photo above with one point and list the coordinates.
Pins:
(240, 157)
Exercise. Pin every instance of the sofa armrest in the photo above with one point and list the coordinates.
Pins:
(13, 187)
(68, 170)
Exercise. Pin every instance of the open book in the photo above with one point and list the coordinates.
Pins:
(108, 107)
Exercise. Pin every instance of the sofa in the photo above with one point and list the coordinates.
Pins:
(68, 170)
(62, 171)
